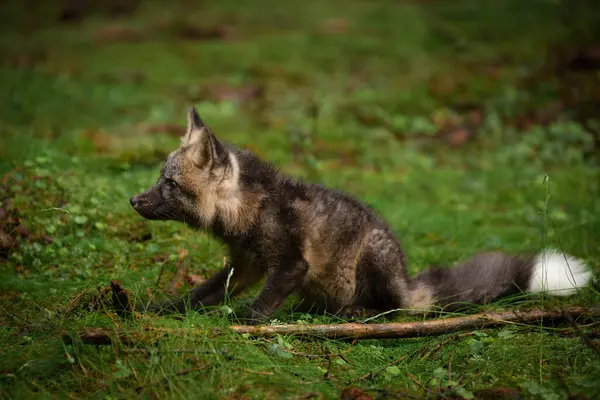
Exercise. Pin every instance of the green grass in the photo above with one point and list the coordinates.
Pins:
(87, 111)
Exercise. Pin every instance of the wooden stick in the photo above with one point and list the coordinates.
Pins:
(419, 328)
(100, 336)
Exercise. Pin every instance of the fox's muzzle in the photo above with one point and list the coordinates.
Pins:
(148, 204)
(138, 202)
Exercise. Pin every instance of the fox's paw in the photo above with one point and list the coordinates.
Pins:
(356, 312)
(253, 317)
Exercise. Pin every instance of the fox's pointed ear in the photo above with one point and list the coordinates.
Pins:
(195, 126)
(203, 148)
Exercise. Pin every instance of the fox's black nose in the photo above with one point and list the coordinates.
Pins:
(133, 201)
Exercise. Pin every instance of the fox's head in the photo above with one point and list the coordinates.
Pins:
(198, 183)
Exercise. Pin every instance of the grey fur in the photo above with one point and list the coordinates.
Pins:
(338, 255)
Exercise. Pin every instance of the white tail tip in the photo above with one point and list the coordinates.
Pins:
(558, 274)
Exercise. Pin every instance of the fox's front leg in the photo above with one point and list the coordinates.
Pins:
(241, 273)
(212, 291)
(280, 283)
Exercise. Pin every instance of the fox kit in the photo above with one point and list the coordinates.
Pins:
(319, 243)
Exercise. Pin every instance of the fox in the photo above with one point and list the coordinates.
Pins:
(321, 244)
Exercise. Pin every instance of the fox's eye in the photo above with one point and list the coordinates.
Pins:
(172, 184)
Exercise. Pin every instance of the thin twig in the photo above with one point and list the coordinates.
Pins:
(419, 384)
(93, 303)
(445, 342)
(75, 301)
(305, 355)
(450, 366)
(327, 373)
(325, 355)
(175, 351)
(253, 372)
(160, 274)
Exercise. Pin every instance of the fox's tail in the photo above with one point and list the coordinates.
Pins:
(491, 276)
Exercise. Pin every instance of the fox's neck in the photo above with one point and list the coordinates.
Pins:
(221, 231)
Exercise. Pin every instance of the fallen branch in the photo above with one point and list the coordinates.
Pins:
(100, 336)
(419, 328)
